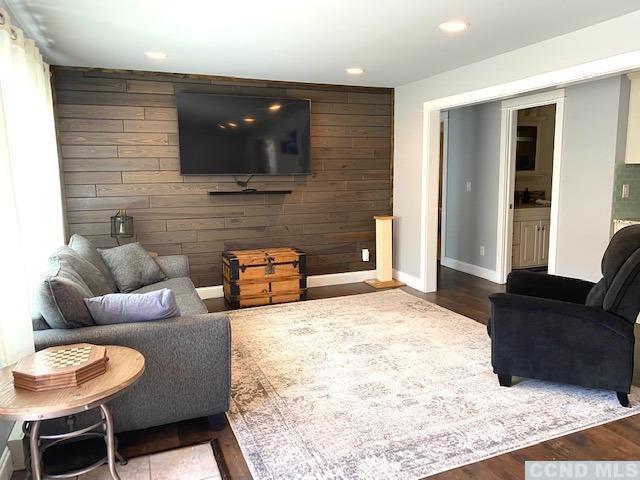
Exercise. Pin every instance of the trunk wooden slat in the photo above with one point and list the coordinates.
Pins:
(264, 276)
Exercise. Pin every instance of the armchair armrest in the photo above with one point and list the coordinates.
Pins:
(174, 266)
(187, 366)
(553, 287)
(560, 341)
(513, 308)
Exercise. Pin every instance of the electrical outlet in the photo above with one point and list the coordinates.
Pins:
(482, 250)
(468, 186)
(625, 190)
(365, 254)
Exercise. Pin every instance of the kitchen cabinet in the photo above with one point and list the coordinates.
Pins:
(530, 237)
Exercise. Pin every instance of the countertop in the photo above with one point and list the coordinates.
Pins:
(530, 205)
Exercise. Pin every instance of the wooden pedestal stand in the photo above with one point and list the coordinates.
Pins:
(384, 253)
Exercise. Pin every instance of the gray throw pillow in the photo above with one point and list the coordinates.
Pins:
(90, 274)
(132, 266)
(60, 297)
(87, 250)
(133, 307)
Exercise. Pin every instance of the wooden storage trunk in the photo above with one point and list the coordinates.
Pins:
(264, 276)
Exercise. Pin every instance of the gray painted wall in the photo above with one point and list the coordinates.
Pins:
(593, 142)
(473, 155)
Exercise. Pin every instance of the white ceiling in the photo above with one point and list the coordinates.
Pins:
(396, 41)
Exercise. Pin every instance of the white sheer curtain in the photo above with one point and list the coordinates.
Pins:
(31, 214)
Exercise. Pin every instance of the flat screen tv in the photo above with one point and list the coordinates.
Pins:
(243, 135)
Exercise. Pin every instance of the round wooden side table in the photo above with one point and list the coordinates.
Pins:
(124, 368)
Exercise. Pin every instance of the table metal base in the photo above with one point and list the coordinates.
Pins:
(39, 443)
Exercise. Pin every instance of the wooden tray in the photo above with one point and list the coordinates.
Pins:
(60, 367)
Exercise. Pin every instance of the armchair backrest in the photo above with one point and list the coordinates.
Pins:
(619, 290)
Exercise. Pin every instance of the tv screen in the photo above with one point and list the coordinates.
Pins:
(243, 135)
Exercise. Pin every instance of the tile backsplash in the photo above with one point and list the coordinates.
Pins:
(627, 208)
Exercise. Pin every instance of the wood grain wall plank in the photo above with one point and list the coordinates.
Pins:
(159, 113)
(76, 97)
(119, 142)
(88, 151)
(78, 178)
(154, 126)
(99, 111)
(112, 203)
(195, 224)
(147, 151)
(149, 86)
(72, 191)
(88, 125)
(109, 164)
(90, 84)
(101, 138)
(160, 176)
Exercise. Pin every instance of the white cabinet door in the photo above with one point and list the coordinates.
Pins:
(543, 242)
(516, 233)
(529, 243)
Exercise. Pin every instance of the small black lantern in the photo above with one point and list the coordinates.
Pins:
(121, 226)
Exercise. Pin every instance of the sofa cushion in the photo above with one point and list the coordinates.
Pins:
(187, 297)
(87, 250)
(91, 275)
(132, 266)
(133, 307)
(37, 321)
(60, 297)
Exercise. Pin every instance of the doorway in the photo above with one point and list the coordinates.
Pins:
(524, 231)
(535, 138)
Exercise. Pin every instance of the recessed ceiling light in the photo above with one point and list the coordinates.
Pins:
(156, 55)
(231, 124)
(274, 107)
(222, 127)
(248, 120)
(355, 71)
(453, 26)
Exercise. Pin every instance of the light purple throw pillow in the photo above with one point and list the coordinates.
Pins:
(133, 307)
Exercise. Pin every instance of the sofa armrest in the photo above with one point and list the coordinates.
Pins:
(187, 366)
(543, 285)
(174, 266)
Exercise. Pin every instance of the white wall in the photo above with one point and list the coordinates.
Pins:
(614, 37)
(591, 145)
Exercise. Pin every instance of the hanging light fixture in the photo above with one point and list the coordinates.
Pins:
(121, 226)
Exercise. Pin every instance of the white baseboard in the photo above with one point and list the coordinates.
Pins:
(339, 278)
(6, 465)
(210, 292)
(476, 270)
(409, 280)
(312, 281)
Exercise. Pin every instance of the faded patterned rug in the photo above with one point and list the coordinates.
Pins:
(385, 386)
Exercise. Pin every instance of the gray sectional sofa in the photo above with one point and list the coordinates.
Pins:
(187, 359)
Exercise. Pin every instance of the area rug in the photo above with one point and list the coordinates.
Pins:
(385, 386)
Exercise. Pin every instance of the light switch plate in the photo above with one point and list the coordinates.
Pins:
(468, 186)
(625, 190)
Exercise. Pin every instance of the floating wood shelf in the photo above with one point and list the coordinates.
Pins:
(253, 192)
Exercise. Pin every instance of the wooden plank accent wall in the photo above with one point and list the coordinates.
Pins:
(118, 139)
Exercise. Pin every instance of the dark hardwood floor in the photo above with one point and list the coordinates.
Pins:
(464, 294)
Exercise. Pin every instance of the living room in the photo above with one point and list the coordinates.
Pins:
(225, 226)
